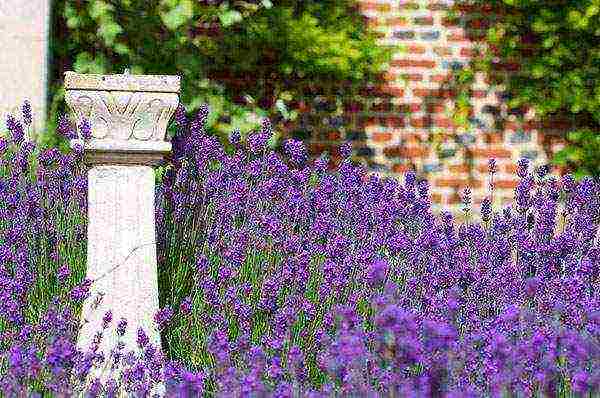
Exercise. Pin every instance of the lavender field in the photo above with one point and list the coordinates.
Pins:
(282, 277)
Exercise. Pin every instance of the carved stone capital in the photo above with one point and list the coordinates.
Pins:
(128, 115)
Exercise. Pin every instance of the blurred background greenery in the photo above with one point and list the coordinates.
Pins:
(246, 59)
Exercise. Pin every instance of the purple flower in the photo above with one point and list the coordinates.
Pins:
(121, 327)
(163, 316)
(296, 150)
(106, 319)
(522, 167)
(85, 129)
(492, 166)
(81, 291)
(486, 209)
(15, 129)
(186, 305)
(346, 150)
(235, 137)
(142, 338)
(377, 272)
(26, 110)
(63, 273)
(65, 128)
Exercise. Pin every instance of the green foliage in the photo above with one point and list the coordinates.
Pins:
(558, 45)
(274, 46)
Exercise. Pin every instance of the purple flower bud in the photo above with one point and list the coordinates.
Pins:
(121, 327)
(346, 150)
(492, 166)
(65, 128)
(522, 167)
(26, 110)
(63, 273)
(186, 305)
(163, 316)
(181, 118)
(377, 272)
(486, 209)
(15, 129)
(85, 129)
(142, 338)
(296, 150)
(467, 197)
(107, 319)
(235, 137)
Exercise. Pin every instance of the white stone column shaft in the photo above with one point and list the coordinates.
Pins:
(121, 254)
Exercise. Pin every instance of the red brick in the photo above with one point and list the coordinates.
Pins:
(506, 66)
(384, 106)
(368, 6)
(424, 21)
(382, 136)
(491, 153)
(395, 91)
(437, 93)
(367, 121)
(510, 168)
(458, 37)
(438, 78)
(420, 122)
(436, 108)
(436, 198)
(418, 63)
(506, 184)
(421, 92)
(400, 168)
(415, 77)
(406, 152)
(459, 168)
(443, 122)
(396, 21)
(392, 121)
(353, 107)
(407, 108)
(441, 51)
(333, 135)
(458, 183)
(466, 8)
(415, 49)
(493, 138)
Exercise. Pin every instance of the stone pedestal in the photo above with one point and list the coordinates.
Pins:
(23, 58)
(128, 117)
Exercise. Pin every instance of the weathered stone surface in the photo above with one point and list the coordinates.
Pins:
(128, 127)
(123, 82)
(23, 58)
(121, 255)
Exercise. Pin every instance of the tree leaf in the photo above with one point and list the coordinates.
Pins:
(178, 15)
(230, 17)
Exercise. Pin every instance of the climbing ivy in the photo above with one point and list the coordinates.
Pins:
(558, 46)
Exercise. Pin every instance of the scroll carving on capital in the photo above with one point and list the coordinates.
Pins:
(124, 115)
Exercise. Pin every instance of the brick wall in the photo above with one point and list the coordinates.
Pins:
(395, 124)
